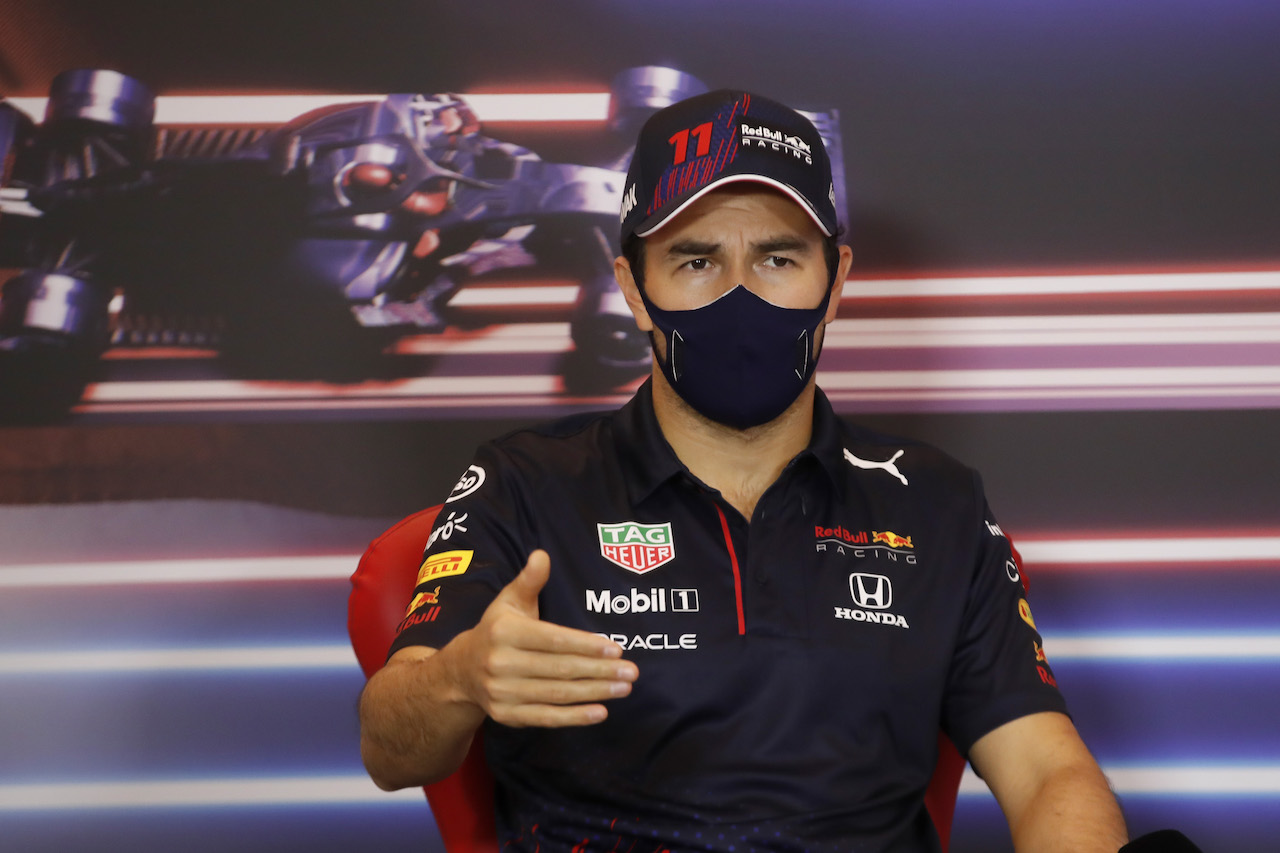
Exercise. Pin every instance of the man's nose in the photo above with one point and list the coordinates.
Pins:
(740, 272)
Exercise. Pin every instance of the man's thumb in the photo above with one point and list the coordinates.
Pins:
(530, 581)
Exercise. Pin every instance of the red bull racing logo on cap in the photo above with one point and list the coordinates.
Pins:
(637, 547)
(763, 136)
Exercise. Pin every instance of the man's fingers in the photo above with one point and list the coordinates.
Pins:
(519, 663)
(549, 691)
(550, 716)
(526, 672)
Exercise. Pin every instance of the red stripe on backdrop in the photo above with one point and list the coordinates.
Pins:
(1147, 549)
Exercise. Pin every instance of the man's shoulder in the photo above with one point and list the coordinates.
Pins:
(550, 444)
(858, 436)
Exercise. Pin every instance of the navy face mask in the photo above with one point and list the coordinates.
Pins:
(740, 361)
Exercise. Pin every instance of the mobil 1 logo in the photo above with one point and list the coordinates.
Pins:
(656, 600)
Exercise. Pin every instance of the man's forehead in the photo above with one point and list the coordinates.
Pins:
(797, 221)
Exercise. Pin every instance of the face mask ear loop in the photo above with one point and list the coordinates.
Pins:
(675, 354)
(803, 348)
(671, 364)
(653, 345)
(644, 298)
(826, 303)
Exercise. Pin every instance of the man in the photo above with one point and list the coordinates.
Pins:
(721, 618)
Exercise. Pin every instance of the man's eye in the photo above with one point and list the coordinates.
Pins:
(778, 261)
(698, 264)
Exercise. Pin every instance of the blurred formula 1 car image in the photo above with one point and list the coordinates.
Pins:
(297, 251)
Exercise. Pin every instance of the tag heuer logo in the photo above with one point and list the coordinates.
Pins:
(637, 547)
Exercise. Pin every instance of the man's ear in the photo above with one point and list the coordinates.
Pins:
(837, 286)
(627, 282)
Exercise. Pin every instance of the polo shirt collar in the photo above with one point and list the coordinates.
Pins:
(647, 458)
(650, 462)
(827, 442)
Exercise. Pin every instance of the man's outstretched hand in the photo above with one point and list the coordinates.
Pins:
(525, 672)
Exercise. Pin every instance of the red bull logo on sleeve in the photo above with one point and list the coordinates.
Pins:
(422, 598)
(427, 614)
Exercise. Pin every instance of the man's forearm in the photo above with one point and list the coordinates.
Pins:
(415, 727)
(1075, 811)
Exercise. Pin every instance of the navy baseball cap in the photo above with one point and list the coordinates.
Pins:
(703, 142)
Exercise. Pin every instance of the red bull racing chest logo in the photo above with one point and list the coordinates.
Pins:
(865, 544)
(637, 547)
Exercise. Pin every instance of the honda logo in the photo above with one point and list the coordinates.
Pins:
(873, 592)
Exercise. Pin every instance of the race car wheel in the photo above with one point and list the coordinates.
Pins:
(638, 93)
(608, 348)
(106, 98)
(53, 328)
(96, 121)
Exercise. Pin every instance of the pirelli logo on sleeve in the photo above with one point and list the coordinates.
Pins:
(443, 565)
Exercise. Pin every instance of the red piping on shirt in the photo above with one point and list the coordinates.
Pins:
(737, 575)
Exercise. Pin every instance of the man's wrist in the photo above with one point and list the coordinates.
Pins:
(456, 682)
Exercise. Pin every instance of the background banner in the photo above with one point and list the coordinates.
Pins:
(272, 270)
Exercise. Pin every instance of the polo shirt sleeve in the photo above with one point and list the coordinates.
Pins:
(478, 545)
(998, 670)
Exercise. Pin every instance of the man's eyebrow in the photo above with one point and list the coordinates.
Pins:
(692, 247)
(770, 245)
(780, 244)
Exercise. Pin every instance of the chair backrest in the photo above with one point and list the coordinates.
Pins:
(463, 803)
(380, 588)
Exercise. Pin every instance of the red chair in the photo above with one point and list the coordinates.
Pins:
(463, 803)
(380, 590)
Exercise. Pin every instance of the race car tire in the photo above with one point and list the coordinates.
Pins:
(41, 379)
(106, 98)
(53, 329)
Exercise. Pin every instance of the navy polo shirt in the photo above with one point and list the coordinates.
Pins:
(794, 671)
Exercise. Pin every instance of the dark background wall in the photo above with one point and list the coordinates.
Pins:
(980, 139)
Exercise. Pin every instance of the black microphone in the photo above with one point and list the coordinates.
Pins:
(1161, 841)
